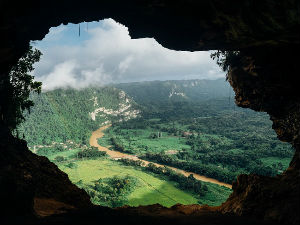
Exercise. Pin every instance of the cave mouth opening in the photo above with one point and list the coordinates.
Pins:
(198, 135)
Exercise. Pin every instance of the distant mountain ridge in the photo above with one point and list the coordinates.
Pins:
(176, 90)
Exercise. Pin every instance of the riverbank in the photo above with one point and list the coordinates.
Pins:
(99, 133)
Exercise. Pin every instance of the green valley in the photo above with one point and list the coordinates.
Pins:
(192, 125)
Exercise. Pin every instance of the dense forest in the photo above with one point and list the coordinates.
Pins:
(68, 114)
(220, 146)
(209, 136)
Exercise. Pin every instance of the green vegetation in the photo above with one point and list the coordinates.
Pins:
(140, 141)
(220, 146)
(206, 136)
(226, 59)
(58, 152)
(90, 153)
(89, 169)
(112, 191)
(16, 88)
(148, 188)
(176, 91)
(185, 183)
(62, 115)
(191, 125)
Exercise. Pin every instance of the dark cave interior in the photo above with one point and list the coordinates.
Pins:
(267, 35)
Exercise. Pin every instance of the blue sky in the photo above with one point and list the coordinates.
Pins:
(67, 35)
(105, 53)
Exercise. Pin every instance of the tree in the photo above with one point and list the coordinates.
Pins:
(16, 88)
(225, 59)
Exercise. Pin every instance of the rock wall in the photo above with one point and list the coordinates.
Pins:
(264, 80)
(27, 181)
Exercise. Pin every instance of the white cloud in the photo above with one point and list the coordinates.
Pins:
(125, 64)
(62, 75)
(110, 55)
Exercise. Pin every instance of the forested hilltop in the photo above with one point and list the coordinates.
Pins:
(69, 114)
(149, 92)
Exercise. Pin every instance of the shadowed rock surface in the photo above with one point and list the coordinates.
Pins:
(27, 181)
(264, 79)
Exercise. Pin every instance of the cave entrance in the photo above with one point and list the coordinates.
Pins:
(165, 122)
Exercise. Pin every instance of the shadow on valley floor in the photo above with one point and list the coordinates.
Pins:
(161, 192)
(167, 198)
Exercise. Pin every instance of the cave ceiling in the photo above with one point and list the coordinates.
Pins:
(176, 24)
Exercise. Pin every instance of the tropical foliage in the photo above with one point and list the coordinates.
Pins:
(16, 88)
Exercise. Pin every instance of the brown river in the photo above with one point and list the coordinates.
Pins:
(118, 155)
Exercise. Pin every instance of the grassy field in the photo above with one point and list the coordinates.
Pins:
(138, 141)
(269, 161)
(65, 154)
(150, 189)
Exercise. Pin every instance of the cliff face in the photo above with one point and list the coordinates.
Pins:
(275, 199)
(264, 80)
(265, 32)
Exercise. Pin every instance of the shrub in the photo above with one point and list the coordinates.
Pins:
(59, 158)
(90, 153)
(72, 166)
